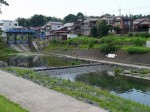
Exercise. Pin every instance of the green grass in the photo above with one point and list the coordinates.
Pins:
(5, 49)
(82, 91)
(8, 106)
(137, 50)
(83, 42)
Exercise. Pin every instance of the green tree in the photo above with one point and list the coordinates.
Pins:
(80, 15)
(94, 31)
(49, 18)
(37, 20)
(23, 22)
(4, 2)
(70, 18)
(102, 28)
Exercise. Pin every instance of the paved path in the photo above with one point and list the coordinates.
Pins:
(36, 98)
(105, 62)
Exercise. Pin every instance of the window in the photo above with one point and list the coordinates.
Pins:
(15, 24)
(1, 24)
(117, 23)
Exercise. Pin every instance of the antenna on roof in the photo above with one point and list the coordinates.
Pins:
(119, 11)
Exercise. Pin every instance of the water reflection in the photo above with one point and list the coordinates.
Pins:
(135, 89)
(38, 61)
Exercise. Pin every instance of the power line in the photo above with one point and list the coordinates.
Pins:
(137, 8)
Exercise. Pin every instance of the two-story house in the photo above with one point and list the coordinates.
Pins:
(50, 27)
(64, 32)
(86, 26)
(77, 26)
(108, 19)
(141, 25)
(122, 25)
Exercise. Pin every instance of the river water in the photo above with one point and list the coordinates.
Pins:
(101, 76)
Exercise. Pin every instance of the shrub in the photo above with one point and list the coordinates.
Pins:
(107, 39)
(118, 71)
(144, 35)
(138, 41)
(108, 48)
(79, 34)
(137, 50)
(130, 34)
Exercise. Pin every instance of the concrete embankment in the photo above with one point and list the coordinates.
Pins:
(124, 57)
(110, 63)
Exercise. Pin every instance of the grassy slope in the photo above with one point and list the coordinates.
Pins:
(83, 92)
(8, 106)
(122, 43)
(4, 48)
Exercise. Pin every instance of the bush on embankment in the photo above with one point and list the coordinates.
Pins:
(105, 44)
(4, 48)
(137, 50)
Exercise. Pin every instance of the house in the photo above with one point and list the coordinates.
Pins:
(122, 25)
(86, 26)
(36, 29)
(77, 26)
(108, 19)
(70, 27)
(63, 32)
(141, 25)
(8, 25)
(50, 27)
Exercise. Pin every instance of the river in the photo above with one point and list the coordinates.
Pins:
(99, 76)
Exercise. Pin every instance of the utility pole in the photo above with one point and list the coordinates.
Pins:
(119, 12)
(0, 9)
(129, 22)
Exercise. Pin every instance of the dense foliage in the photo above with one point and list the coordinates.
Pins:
(101, 29)
(137, 50)
(4, 48)
(40, 20)
(36, 20)
(72, 18)
(105, 44)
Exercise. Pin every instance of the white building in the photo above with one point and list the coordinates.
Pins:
(8, 25)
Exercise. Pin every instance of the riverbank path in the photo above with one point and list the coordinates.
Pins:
(36, 98)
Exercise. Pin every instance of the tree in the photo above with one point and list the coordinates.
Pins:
(94, 31)
(4, 2)
(23, 22)
(70, 18)
(80, 15)
(49, 18)
(38, 20)
(102, 28)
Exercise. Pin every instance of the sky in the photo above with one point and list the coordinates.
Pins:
(61, 8)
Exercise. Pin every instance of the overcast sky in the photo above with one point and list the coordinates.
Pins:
(61, 8)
